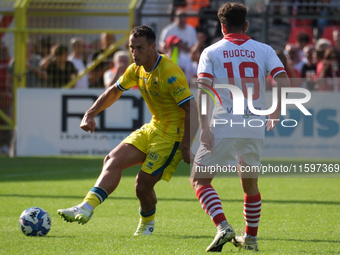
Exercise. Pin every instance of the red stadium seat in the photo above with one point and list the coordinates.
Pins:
(294, 31)
(328, 32)
(5, 22)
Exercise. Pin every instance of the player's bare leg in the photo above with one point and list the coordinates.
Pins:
(252, 210)
(120, 158)
(211, 203)
(147, 197)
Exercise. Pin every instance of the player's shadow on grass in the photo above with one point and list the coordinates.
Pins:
(301, 240)
(184, 236)
(54, 236)
(113, 197)
(55, 169)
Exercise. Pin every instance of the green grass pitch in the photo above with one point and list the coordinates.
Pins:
(300, 215)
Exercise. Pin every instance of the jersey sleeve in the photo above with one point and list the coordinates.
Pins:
(205, 67)
(128, 79)
(274, 64)
(179, 88)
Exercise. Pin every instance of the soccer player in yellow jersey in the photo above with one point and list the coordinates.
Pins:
(157, 146)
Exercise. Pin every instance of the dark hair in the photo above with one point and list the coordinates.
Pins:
(60, 50)
(282, 57)
(46, 42)
(330, 53)
(233, 15)
(303, 37)
(144, 31)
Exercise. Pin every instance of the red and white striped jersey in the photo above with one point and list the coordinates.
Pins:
(241, 61)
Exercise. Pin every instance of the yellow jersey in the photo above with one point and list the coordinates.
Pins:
(164, 90)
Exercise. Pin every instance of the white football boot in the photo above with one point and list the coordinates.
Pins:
(247, 243)
(225, 233)
(76, 213)
(145, 228)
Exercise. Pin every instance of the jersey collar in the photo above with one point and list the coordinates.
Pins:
(237, 38)
(157, 62)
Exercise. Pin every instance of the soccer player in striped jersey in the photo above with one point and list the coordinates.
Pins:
(157, 146)
(240, 61)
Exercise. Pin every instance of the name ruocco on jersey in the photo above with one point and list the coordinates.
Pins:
(238, 53)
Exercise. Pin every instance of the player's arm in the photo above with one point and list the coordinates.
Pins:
(190, 129)
(206, 137)
(104, 101)
(282, 81)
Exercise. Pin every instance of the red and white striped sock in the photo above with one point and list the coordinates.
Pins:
(211, 203)
(252, 212)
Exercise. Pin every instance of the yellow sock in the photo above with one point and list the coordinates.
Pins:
(95, 197)
(92, 200)
(147, 217)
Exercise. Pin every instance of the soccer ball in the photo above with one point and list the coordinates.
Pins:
(35, 221)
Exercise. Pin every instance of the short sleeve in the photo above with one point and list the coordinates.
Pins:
(128, 79)
(179, 88)
(274, 64)
(205, 67)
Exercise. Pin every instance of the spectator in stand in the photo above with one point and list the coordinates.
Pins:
(303, 39)
(336, 39)
(327, 73)
(97, 74)
(321, 45)
(60, 71)
(5, 97)
(78, 59)
(45, 49)
(36, 77)
(43, 46)
(293, 56)
(106, 40)
(182, 30)
(121, 61)
(309, 68)
(174, 48)
(292, 73)
(202, 43)
(92, 48)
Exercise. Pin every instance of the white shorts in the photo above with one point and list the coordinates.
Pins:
(230, 152)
